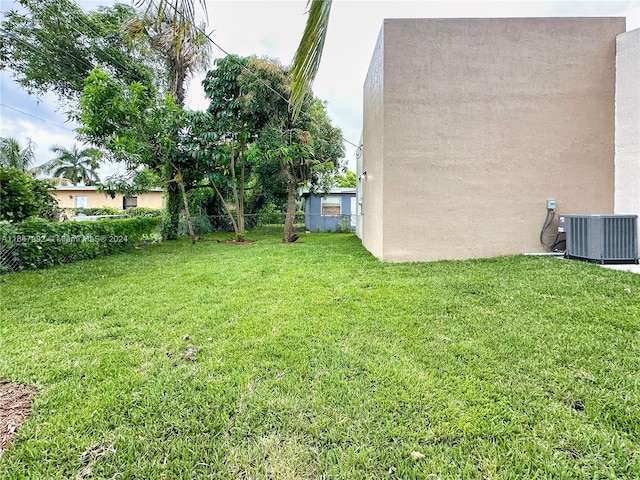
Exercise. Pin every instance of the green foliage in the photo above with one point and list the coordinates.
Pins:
(22, 197)
(172, 31)
(346, 180)
(201, 225)
(309, 53)
(53, 45)
(344, 224)
(36, 243)
(144, 212)
(139, 127)
(12, 154)
(242, 102)
(99, 211)
(307, 149)
(130, 120)
(168, 230)
(270, 215)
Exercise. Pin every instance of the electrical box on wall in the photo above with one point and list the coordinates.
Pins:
(551, 204)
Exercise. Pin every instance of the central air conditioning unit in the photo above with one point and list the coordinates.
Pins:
(601, 238)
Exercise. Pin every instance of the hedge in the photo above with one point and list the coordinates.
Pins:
(36, 243)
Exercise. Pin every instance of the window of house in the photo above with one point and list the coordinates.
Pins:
(331, 205)
(129, 202)
(81, 202)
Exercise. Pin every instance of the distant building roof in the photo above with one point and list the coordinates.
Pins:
(82, 188)
(332, 191)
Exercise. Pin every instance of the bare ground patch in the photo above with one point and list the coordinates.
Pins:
(15, 408)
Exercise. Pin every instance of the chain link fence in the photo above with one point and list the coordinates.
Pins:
(222, 223)
(309, 222)
(14, 249)
(9, 257)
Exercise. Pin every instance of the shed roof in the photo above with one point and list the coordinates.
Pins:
(83, 188)
(332, 191)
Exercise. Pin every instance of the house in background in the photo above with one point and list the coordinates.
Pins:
(330, 212)
(472, 125)
(90, 197)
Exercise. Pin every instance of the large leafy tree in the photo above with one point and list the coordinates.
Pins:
(137, 125)
(74, 164)
(13, 154)
(243, 98)
(308, 150)
(254, 126)
(53, 45)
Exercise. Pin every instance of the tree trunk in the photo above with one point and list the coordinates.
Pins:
(187, 214)
(239, 237)
(170, 230)
(177, 77)
(289, 235)
(241, 224)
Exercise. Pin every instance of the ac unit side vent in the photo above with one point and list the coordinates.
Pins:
(601, 238)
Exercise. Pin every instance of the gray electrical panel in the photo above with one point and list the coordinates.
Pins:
(601, 238)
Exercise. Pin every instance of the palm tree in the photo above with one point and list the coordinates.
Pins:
(171, 28)
(12, 154)
(74, 165)
(309, 53)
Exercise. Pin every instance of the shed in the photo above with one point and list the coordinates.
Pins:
(333, 211)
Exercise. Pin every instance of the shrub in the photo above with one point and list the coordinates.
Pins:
(201, 225)
(36, 243)
(344, 224)
(144, 212)
(270, 215)
(22, 197)
(100, 211)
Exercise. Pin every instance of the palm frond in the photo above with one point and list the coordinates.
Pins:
(309, 53)
(12, 154)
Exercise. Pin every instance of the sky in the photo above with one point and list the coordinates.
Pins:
(273, 29)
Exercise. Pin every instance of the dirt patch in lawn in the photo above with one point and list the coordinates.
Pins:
(15, 408)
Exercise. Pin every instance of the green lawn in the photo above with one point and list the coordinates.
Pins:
(317, 361)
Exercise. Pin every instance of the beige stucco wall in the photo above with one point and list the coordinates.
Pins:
(482, 121)
(359, 184)
(371, 183)
(627, 157)
(66, 198)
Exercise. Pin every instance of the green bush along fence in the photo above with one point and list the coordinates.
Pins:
(37, 243)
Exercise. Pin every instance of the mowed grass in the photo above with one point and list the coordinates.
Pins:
(317, 361)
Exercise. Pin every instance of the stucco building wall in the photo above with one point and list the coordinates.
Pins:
(66, 197)
(470, 125)
(627, 156)
(372, 180)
